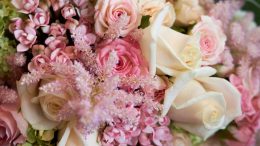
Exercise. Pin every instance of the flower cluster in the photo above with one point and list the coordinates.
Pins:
(132, 72)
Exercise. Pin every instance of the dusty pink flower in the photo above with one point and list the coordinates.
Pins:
(58, 4)
(71, 24)
(68, 11)
(212, 41)
(26, 6)
(16, 24)
(57, 29)
(120, 14)
(80, 3)
(41, 17)
(38, 62)
(130, 60)
(12, 125)
(26, 37)
(59, 56)
(56, 42)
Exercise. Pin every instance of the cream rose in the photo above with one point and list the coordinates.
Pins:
(32, 111)
(152, 7)
(201, 104)
(40, 107)
(181, 139)
(169, 51)
(188, 12)
(122, 15)
(71, 136)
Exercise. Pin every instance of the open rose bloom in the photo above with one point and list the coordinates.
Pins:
(129, 73)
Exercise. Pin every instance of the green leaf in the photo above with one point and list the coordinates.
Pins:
(253, 6)
(144, 22)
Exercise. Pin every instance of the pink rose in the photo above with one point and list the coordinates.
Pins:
(68, 11)
(26, 37)
(12, 125)
(130, 59)
(41, 17)
(116, 14)
(26, 6)
(212, 41)
(57, 29)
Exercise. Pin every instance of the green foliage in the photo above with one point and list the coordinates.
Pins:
(39, 138)
(145, 22)
(253, 6)
(7, 46)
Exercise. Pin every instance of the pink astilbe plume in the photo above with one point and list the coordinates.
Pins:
(7, 95)
(32, 77)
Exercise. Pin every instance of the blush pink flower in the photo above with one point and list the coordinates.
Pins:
(112, 13)
(38, 62)
(130, 60)
(26, 37)
(56, 42)
(57, 29)
(68, 11)
(71, 24)
(41, 17)
(212, 41)
(26, 6)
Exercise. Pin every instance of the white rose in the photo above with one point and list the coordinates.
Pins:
(201, 104)
(169, 51)
(70, 136)
(188, 11)
(152, 7)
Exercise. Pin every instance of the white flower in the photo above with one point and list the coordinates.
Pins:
(169, 51)
(201, 104)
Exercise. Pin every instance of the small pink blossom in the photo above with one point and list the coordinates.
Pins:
(38, 62)
(130, 60)
(26, 37)
(212, 41)
(41, 17)
(71, 24)
(68, 11)
(59, 56)
(26, 6)
(57, 29)
(16, 24)
(58, 4)
(56, 42)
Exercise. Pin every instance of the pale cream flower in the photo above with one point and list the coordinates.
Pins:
(167, 50)
(201, 104)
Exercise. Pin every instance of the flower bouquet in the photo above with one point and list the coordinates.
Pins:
(128, 73)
